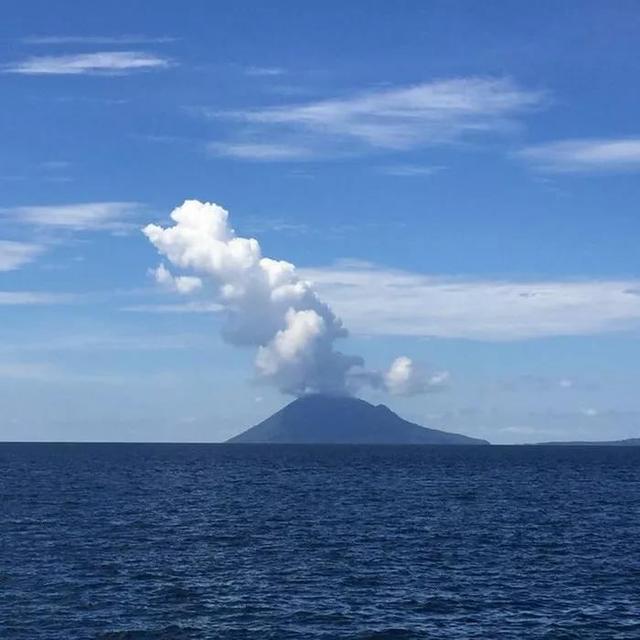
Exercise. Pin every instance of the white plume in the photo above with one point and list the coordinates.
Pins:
(405, 378)
(266, 305)
(181, 284)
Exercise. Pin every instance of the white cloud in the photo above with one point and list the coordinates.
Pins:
(266, 304)
(520, 430)
(37, 371)
(522, 426)
(585, 155)
(14, 255)
(86, 216)
(102, 62)
(181, 284)
(261, 224)
(50, 373)
(102, 342)
(96, 40)
(265, 71)
(193, 306)
(393, 119)
(377, 301)
(538, 384)
(259, 151)
(55, 165)
(411, 170)
(405, 378)
(14, 298)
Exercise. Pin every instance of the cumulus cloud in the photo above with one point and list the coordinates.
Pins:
(405, 378)
(181, 284)
(265, 303)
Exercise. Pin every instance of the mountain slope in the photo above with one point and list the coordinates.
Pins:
(342, 420)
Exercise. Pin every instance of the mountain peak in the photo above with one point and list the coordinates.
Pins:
(324, 419)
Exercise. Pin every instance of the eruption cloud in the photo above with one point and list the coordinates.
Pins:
(267, 305)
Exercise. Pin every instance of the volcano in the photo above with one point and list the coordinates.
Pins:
(318, 419)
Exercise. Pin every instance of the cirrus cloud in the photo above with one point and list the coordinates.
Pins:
(97, 63)
(16, 298)
(586, 155)
(379, 301)
(14, 255)
(392, 119)
(84, 216)
(97, 40)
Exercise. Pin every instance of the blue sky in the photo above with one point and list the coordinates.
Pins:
(458, 179)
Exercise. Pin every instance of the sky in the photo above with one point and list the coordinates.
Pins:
(455, 182)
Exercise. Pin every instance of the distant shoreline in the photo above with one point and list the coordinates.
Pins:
(628, 442)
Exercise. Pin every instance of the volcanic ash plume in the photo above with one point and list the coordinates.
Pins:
(267, 305)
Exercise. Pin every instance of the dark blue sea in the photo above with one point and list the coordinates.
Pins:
(254, 542)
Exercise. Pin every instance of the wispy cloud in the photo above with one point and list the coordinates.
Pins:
(390, 119)
(15, 298)
(536, 426)
(55, 165)
(98, 40)
(540, 384)
(187, 307)
(37, 371)
(86, 216)
(264, 71)
(52, 373)
(103, 342)
(585, 155)
(264, 224)
(259, 151)
(411, 170)
(387, 302)
(98, 63)
(14, 255)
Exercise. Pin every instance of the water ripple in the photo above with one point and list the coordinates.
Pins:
(173, 542)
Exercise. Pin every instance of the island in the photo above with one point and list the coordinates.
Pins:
(320, 419)
(629, 442)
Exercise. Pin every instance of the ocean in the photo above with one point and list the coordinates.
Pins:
(245, 542)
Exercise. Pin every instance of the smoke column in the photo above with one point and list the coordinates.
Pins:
(267, 305)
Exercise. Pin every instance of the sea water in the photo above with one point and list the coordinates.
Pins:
(276, 542)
